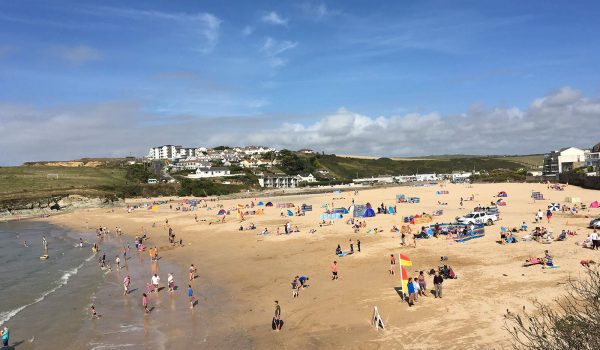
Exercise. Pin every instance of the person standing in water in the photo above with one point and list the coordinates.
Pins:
(171, 282)
(118, 262)
(145, 303)
(126, 283)
(5, 336)
(45, 243)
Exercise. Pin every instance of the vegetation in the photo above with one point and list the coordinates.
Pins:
(569, 323)
(501, 175)
(205, 188)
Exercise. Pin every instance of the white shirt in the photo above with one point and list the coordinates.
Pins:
(155, 279)
(170, 279)
(540, 214)
(594, 236)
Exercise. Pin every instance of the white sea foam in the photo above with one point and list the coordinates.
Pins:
(63, 280)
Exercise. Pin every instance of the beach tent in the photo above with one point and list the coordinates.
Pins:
(221, 212)
(340, 210)
(306, 207)
(369, 212)
(554, 206)
(290, 213)
(260, 204)
(269, 204)
(331, 216)
(442, 192)
(502, 194)
(500, 202)
(359, 210)
(594, 204)
(573, 200)
(154, 207)
(391, 210)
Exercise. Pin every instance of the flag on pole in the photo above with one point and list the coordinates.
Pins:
(405, 260)
(404, 277)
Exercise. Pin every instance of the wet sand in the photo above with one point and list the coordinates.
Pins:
(241, 273)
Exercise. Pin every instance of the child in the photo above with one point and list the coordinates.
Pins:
(191, 296)
(392, 264)
(145, 303)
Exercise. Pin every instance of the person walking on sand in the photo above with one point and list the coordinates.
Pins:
(145, 303)
(358, 244)
(392, 264)
(548, 215)
(171, 282)
(351, 247)
(539, 216)
(334, 271)
(437, 282)
(191, 296)
(277, 316)
(411, 292)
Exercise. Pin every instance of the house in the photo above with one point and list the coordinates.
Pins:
(278, 181)
(152, 181)
(207, 172)
(306, 151)
(170, 152)
(426, 177)
(564, 160)
(191, 163)
(460, 177)
(592, 158)
(306, 177)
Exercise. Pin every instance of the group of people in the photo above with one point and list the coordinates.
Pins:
(417, 287)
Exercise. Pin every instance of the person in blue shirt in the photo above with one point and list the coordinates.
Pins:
(191, 296)
(303, 280)
(411, 292)
(5, 336)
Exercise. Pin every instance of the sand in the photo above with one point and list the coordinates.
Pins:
(249, 271)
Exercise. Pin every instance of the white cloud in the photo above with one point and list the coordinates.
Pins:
(318, 11)
(247, 31)
(273, 48)
(78, 54)
(203, 25)
(274, 18)
(563, 118)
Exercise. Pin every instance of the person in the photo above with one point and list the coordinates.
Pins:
(358, 244)
(145, 303)
(351, 246)
(155, 282)
(548, 259)
(411, 292)
(392, 264)
(539, 216)
(437, 282)
(94, 313)
(171, 282)
(192, 272)
(191, 296)
(126, 283)
(5, 336)
(80, 242)
(334, 271)
(302, 279)
(403, 238)
(338, 250)
(595, 240)
(422, 284)
(417, 288)
(118, 262)
(277, 316)
(548, 215)
(295, 287)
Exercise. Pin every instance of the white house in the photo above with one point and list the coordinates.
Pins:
(426, 177)
(592, 159)
(461, 176)
(307, 177)
(202, 173)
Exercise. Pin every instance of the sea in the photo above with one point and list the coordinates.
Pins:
(46, 303)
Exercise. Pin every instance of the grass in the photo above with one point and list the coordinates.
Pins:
(22, 182)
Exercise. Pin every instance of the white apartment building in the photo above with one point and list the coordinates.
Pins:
(278, 181)
(563, 160)
(171, 152)
(592, 158)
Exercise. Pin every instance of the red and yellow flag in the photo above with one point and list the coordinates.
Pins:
(404, 277)
(405, 260)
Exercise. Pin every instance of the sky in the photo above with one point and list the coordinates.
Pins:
(385, 78)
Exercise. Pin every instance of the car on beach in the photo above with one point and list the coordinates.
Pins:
(478, 217)
(595, 223)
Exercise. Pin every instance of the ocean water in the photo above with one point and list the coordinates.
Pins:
(42, 300)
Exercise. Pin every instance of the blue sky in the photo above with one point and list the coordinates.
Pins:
(285, 62)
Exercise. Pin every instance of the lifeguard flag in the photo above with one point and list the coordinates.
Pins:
(405, 260)
(404, 277)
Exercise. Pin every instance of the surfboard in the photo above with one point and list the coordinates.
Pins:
(44, 257)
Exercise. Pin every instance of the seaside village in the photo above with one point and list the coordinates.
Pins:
(412, 244)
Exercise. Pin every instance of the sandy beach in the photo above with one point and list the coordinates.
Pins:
(241, 273)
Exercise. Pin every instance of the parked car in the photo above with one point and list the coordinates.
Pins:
(595, 223)
(478, 217)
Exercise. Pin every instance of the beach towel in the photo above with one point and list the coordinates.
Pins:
(550, 267)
